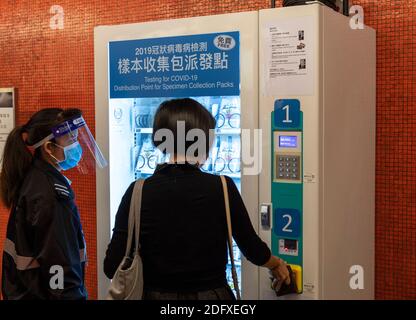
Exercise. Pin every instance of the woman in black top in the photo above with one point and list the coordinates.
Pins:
(183, 234)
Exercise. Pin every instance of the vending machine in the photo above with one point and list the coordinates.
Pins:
(294, 86)
(317, 184)
(213, 60)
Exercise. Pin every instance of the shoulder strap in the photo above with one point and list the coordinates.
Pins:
(230, 236)
(134, 216)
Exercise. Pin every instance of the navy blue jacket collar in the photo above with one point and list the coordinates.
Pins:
(51, 170)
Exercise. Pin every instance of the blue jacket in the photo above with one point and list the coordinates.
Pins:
(44, 253)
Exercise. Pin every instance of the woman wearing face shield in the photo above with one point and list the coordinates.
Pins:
(44, 253)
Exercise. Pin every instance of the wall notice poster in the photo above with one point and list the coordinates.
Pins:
(182, 66)
(6, 115)
(288, 47)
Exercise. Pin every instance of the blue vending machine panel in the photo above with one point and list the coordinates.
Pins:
(287, 184)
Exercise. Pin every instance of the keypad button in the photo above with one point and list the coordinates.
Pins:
(288, 167)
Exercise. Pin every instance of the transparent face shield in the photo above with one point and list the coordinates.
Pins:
(77, 145)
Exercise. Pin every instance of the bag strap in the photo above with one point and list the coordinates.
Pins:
(230, 236)
(134, 217)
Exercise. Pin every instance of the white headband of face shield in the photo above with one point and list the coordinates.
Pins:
(44, 140)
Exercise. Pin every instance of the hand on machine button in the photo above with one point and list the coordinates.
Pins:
(280, 274)
(283, 287)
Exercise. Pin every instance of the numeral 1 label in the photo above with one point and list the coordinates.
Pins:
(287, 113)
(287, 120)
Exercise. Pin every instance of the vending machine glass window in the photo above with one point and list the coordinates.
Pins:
(133, 155)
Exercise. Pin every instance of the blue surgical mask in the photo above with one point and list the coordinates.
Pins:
(73, 154)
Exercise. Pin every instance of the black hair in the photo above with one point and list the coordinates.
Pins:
(192, 113)
(17, 158)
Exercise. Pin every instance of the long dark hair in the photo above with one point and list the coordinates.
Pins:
(17, 157)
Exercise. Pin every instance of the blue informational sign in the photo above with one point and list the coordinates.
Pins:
(286, 222)
(287, 113)
(194, 65)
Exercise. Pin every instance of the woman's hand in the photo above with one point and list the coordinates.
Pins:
(281, 275)
(281, 272)
(278, 269)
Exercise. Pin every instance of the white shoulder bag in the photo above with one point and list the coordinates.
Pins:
(127, 283)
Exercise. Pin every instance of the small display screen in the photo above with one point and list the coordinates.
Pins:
(291, 244)
(288, 141)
